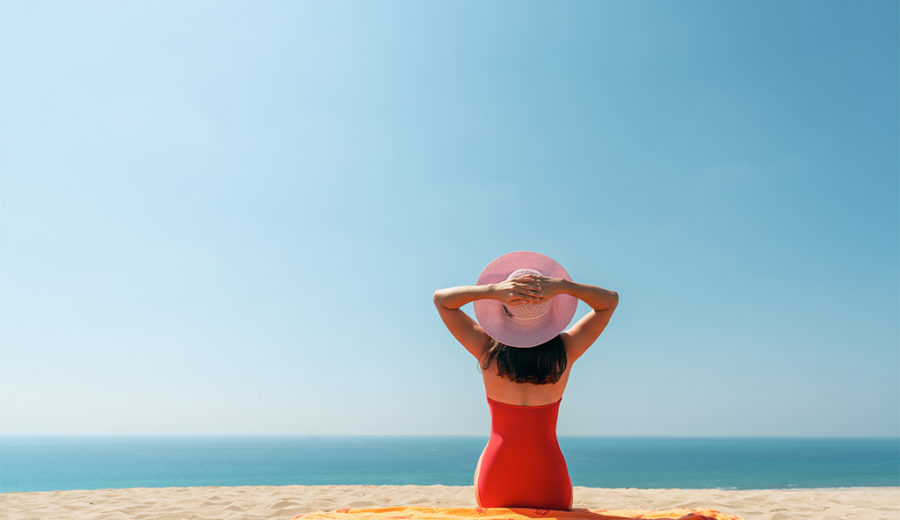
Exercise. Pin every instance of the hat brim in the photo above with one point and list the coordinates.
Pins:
(493, 319)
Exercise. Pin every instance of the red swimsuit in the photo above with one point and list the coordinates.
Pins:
(522, 465)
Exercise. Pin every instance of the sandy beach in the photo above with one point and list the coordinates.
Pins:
(283, 502)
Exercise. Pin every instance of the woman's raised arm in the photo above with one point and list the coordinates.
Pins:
(466, 330)
(456, 297)
(598, 298)
(585, 332)
(515, 291)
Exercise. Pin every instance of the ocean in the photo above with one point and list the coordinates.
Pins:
(59, 463)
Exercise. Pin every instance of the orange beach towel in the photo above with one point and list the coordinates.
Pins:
(514, 513)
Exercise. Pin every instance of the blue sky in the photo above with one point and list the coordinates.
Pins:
(229, 218)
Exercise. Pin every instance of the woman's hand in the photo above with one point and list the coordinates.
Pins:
(550, 286)
(518, 291)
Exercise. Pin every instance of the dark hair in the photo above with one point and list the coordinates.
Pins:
(540, 365)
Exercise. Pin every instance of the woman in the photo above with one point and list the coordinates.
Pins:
(522, 301)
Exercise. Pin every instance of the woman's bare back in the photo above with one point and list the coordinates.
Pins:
(523, 394)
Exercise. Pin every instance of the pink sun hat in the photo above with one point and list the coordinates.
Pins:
(527, 324)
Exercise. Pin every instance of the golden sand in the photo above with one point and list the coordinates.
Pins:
(284, 502)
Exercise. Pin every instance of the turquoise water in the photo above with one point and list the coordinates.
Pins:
(51, 463)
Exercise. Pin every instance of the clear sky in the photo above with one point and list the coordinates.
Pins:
(229, 218)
